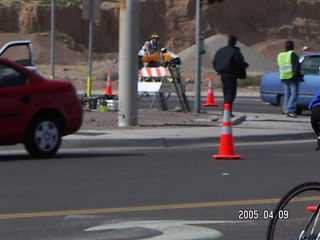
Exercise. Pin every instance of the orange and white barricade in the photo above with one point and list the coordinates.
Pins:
(147, 72)
(151, 79)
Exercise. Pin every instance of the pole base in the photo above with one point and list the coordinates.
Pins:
(223, 156)
(109, 96)
(210, 104)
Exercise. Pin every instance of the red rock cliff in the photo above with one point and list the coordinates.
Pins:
(251, 20)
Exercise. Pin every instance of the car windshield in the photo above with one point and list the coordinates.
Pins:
(311, 65)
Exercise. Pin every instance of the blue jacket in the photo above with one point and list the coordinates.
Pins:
(315, 100)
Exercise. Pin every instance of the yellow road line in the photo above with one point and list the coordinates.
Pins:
(142, 208)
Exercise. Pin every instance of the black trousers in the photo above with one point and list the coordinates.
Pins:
(140, 62)
(229, 88)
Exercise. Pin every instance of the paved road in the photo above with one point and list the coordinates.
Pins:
(252, 104)
(116, 193)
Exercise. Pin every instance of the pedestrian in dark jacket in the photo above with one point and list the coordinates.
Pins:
(229, 63)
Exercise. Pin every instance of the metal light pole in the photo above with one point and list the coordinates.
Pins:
(90, 12)
(90, 44)
(197, 106)
(53, 32)
(128, 63)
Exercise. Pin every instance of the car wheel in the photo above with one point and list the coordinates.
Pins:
(44, 137)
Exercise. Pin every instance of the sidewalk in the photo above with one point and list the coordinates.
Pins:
(247, 127)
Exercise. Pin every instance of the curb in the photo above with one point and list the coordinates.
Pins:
(176, 142)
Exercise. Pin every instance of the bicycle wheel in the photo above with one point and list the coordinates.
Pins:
(296, 215)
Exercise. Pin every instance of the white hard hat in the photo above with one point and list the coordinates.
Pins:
(305, 48)
(164, 50)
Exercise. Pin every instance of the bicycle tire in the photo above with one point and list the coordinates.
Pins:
(295, 203)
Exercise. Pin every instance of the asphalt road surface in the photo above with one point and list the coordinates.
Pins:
(242, 104)
(171, 193)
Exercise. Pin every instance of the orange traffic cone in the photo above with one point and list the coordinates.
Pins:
(312, 208)
(210, 95)
(226, 150)
(109, 85)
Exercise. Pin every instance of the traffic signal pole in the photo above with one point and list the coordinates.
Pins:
(90, 12)
(52, 38)
(199, 51)
(90, 47)
(197, 93)
(128, 63)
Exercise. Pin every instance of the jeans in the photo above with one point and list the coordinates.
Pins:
(291, 89)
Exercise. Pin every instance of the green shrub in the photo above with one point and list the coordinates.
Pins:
(64, 2)
(249, 81)
(16, 2)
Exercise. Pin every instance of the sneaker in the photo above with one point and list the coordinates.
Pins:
(293, 115)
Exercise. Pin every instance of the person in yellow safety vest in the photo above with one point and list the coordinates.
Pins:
(290, 76)
(150, 53)
(170, 57)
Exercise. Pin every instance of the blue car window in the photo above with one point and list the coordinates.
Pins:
(310, 65)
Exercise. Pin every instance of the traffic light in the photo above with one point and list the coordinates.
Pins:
(213, 1)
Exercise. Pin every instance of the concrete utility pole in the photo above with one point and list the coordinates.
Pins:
(197, 93)
(128, 63)
(53, 33)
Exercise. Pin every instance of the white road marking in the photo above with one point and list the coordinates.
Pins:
(171, 229)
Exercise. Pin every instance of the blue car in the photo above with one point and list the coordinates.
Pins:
(271, 88)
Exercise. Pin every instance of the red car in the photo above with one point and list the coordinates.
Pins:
(35, 111)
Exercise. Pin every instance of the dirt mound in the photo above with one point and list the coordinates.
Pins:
(272, 47)
(41, 44)
(258, 63)
(70, 64)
